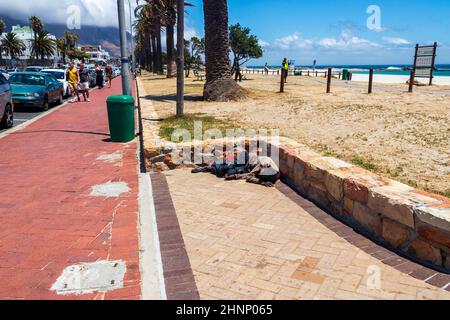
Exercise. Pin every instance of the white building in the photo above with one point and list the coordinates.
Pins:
(26, 35)
(97, 53)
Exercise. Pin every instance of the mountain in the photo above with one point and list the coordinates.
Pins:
(107, 37)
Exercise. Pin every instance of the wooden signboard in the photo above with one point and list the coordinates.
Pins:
(424, 63)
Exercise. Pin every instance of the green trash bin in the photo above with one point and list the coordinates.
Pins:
(121, 118)
(345, 74)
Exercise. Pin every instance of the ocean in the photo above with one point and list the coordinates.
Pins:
(442, 69)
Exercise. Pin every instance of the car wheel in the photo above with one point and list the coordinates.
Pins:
(8, 117)
(46, 104)
(61, 99)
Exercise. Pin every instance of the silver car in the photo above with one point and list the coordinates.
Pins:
(6, 105)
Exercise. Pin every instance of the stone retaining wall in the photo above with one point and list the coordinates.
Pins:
(408, 219)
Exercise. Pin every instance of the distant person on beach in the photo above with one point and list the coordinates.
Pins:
(285, 68)
(109, 71)
(266, 69)
(237, 70)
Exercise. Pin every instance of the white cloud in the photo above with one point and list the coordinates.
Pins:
(93, 12)
(293, 41)
(263, 43)
(396, 41)
(347, 41)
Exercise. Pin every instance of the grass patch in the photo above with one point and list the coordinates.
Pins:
(364, 163)
(170, 125)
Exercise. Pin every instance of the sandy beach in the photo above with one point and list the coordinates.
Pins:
(394, 79)
(400, 135)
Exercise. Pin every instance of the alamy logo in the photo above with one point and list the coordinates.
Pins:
(374, 19)
(374, 278)
(73, 21)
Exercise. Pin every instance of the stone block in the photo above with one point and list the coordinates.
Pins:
(392, 206)
(447, 261)
(348, 206)
(318, 193)
(356, 190)
(334, 181)
(435, 235)
(370, 220)
(314, 173)
(425, 251)
(436, 216)
(395, 233)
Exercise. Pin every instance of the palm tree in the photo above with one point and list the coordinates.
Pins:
(37, 26)
(219, 85)
(2, 28)
(170, 21)
(144, 38)
(61, 46)
(150, 17)
(13, 45)
(43, 46)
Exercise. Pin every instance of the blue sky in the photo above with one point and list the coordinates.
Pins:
(336, 32)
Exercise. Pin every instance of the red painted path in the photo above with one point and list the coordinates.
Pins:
(48, 220)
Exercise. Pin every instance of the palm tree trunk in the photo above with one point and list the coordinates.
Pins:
(219, 85)
(159, 68)
(180, 58)
(171, 65)
(36, 51)
(150, 52)
(154, 62)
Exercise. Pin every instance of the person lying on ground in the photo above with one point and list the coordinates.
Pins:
(226, 165)
(261, 170)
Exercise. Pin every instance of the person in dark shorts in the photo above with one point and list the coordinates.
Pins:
(85, 78)
(99, 80)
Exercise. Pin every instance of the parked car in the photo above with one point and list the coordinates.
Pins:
(33, 69)
(60, 75)
(9, 72)
(6, 105)
(116, 72)
(36, 89)
(4, 73)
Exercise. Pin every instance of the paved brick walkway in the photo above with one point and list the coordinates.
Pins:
(48, 218)
(249, 242)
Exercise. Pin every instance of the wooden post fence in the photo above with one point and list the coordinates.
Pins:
(329, 80)
(282, 80)
(370, 80)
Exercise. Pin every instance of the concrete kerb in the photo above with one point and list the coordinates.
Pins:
(151, 268)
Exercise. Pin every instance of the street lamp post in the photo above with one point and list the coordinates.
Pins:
(126, 77)
(133, 58)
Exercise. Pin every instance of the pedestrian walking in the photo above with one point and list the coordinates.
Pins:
(266, 69)
(85, 78)
(99, 76)
(285, 69)
(109, 71)
(237, 70)
(73, 78)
